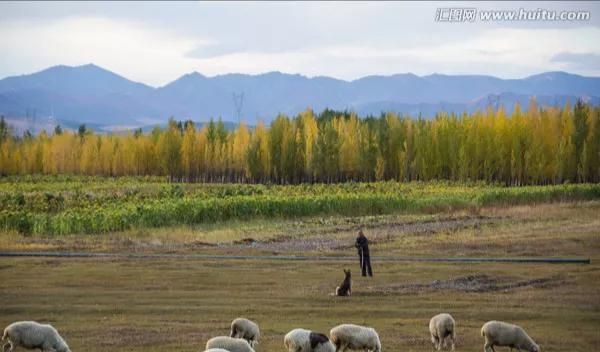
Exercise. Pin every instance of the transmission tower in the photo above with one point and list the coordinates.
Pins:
(494, 101)
(238, 102)
(51, 119)
(33, 125)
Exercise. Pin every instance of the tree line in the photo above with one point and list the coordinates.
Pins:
(548, 145)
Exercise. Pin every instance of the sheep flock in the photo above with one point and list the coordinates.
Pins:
(245, 335)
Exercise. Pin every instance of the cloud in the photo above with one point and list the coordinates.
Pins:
(137, 51)
(504, 52)
(578, 60)
(343, 40)
(207, 51)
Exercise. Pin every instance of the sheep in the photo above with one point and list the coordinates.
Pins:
(355, 337)
(33, 335)
(230, 344)
(245, 329)
(441, 327)
(302, 340)
(345, 288)
(216, 350)
(497, 333)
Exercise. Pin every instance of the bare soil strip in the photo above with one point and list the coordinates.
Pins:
(479, 283)
(293, 258)
(342, 237)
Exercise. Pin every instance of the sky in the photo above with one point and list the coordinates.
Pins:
(157, 42)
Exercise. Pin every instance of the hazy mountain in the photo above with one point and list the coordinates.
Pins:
(93, 95)
(85, 93)
(507, 100)
(81, 81)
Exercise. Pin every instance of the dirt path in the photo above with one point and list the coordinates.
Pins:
(342, 237)
(290, 258)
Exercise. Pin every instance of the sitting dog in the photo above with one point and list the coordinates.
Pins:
(345, 289)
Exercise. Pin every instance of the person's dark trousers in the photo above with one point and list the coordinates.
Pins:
(365, 265)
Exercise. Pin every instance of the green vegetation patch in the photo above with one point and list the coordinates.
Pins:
(58, 206)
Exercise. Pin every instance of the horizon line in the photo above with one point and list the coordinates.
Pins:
(290, 74)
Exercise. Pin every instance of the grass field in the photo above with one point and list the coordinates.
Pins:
(167, 304)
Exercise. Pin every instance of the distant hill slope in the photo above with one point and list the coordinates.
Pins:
(93, 95)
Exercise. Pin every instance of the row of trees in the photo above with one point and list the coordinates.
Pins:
(536, 146)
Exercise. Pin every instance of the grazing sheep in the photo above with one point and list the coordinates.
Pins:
(32, 335)
(302, 340)
(345, 288)
(355, 337)
(245, 329)
(497, 333)
(441, 327)
(230, 344)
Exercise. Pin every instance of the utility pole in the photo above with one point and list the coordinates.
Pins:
(238, 102)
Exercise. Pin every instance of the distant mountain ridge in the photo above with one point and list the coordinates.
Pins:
(93, 95)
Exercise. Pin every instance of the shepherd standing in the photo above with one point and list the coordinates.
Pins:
(362, 244)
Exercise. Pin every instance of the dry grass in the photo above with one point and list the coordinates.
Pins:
(161, 304)
(158, 305)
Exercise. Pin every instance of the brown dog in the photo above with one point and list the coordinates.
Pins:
(345, 289)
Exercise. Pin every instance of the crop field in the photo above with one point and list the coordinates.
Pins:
(70, 205)
(113, 304)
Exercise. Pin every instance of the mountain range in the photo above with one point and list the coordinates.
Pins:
(100, 98)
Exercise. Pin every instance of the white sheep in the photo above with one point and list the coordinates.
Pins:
(302, 340)
(442, 329)
(245, 329)
(497, 333)
(230, 344)
(355, 337)
(33, 335)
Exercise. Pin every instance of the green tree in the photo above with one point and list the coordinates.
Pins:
(280, 142)
(82, 130)
(4, 129)
(326, 153)
(170, 150)
(567, 162)
(580, 121)
(190, 153)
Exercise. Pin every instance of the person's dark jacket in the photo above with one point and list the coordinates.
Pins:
(362, 244)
